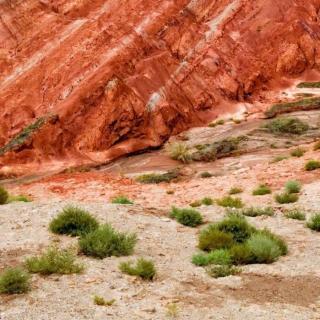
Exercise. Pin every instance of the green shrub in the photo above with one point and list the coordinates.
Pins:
(4, 195)
(100, 301)
(144, 269)
(278, 159)
(295, 214)
(222, 271)
(277, 239)
(287, 125)
(54, 261)
(235, 190)
(293, 186)
(220, 257)
(217, 123)
(195, 204)
(179, 151)
(187, 217)
(240, 254)
(230, 202)
(105, 242)
(156, 178)
(312, 165)
(316, 146)
(314, 222)
(286, 198)
(257, 212)
(14, 280)
(207, 201)
(263, 249)
(211, 239)
(19, 198)
(308, 85)
(205, 175)
(121, 200)
(298, 152)
(73, 221)
(261, 190)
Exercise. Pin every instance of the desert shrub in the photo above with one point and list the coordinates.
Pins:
(261, 190)
(316, 146)
(287, 125)
(105, 242)
(257, 212)
(170, 191)
(156, 178)
(298, 152)
(205, 175)
(277, 239)
(240, 254)
(207, 201)
(235, 190)
(236, 225)
(179, 151)
(121, 200)
(314, 222)
(54, 261)
(19, 198)
(312, 165)
(4, 195)
(187, 217)
(220, 257)
(14, 280)
(73, 221)
(217, 123)
(293, 186)
(211, 239)
(230, 202)
(295, 214)
(144, 269)
(100, 301)
(195, 204)
(221, 271)
(278, 159)
(263, 249)
(308, 85)
(286, 197)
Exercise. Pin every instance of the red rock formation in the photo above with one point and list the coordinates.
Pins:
(121, 76)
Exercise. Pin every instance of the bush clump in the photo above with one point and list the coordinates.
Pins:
(144, 269)
(206, 175)
(240, 254)
(187, 217)
(73, 221)
(230, 202)
(207, 201)
(18, 198)
(312, 165)
(211, 239)
(257, 212)
(14, 280)
(235, 190)
(106, 242)
(54, 261)
(121, 200)
(4, 195)
(314, 222)
(286, 197)
(295, 214)
(219, 257)
(155, 178)
(217, 271)
(293, 186)
(195, 204)
(298, 152)
(262, 190)
(179, 151)
(287, 125)
(100, 301)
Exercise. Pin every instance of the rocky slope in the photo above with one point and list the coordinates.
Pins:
(101, 78)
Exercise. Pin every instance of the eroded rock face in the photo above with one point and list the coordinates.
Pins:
(123, 76)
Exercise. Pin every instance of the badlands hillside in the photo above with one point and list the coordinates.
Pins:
(159, 159)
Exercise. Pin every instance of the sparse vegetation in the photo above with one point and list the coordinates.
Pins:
(156, 178)
(54, 261)
(195, 204)
(219, 257)
(287, 125)
(293, 186)
(220, 271)
(207, 201)
(211, 239)
(295, 214)
(14, 281)
(278, 159)
(298, 152)
(187, 217)
(230, 202)
(206, 175)
(105, 242)
(19, 198)
(144, 269)
(235, 190)
(179, 151)
(308, 85)
(261, 190)
(312, 165)
(286, 197)
(314, 222)
(100, 301)
(4, 195)
(73, 221)
(217, 123)
(256, 211)
(172, 310)
(316, 146)
(121, 200)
